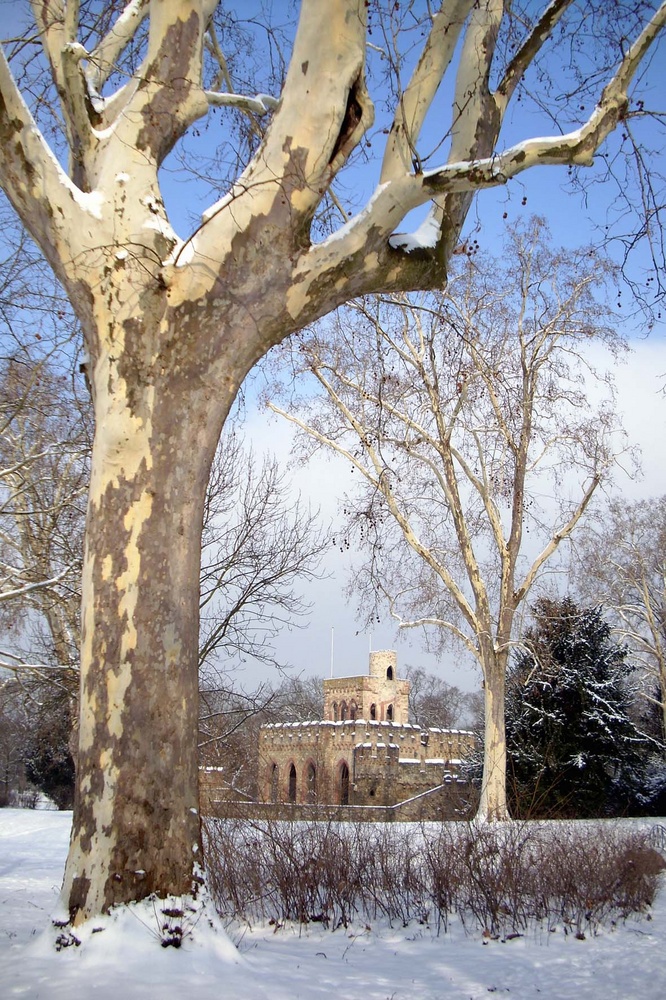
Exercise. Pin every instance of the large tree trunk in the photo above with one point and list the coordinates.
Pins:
(136, 819)
(492, 805)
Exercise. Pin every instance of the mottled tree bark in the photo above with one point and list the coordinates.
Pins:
(492, 804)
(136, 820)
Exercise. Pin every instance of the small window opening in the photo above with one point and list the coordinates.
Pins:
(373, 712)
(389, 674)
(335, 711)
(275, 779)
(389, 713)
(292, 783)
(343, 711)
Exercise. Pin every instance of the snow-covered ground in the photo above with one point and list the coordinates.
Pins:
(125, 961)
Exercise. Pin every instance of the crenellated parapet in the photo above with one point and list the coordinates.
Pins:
(359, 761)
(363, 752)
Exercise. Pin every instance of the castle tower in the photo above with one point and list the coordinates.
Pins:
(378, 697)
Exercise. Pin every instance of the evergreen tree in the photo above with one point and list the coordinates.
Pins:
(573, 747)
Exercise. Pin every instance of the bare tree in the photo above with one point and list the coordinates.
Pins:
(172, 325)
(433, 702)
(14, 729)
(465, 412)
(44, 474)
(620, 562)
(259, 546)
(231, 719)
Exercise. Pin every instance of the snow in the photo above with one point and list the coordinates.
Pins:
(90, 201)
(348, 227)
(425, 237)
(125, 958)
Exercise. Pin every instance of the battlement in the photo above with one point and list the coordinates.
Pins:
(412, 743)
(364, 751)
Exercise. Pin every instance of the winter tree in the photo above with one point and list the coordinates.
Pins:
(14, 730)
(433, 702)
(621, 562)
(173, 322)
(573, 747)
(44, 474)
(231, 719)
(260, 545)
(466, 413)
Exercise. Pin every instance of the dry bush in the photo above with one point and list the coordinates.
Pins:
(501, 879)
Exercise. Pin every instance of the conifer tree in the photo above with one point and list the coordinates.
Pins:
(573, 748)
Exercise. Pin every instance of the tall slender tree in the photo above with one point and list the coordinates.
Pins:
(466, 415)
(172, 325)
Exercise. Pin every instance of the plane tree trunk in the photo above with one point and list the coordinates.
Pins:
(136, 820)
(492, 804)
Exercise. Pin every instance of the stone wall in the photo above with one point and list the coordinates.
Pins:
(371, 759)
(358, 762)
(446, 802)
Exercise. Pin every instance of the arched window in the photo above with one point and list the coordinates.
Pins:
(292, 783)
(335, 711)
(343, 711)
(275, 783)
(373, 711)
(344, 784)
(353, 710)
(311, 779)
(389, 713)
(389, 674)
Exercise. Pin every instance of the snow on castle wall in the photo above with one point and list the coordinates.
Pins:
(364, 751)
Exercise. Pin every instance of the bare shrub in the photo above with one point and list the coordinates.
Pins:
(501, 879)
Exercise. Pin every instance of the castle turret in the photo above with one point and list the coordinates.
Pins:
(384, 664)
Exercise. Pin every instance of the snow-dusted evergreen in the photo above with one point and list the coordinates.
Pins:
(573, 745)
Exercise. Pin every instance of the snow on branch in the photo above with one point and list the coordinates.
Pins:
(395, 198)
(260, 104)
(414, 103)
(32, 178)
(103, 58)
(9, 595)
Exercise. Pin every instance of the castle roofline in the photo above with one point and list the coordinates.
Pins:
(365, 722)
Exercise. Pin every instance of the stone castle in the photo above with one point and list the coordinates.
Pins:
(364, 752)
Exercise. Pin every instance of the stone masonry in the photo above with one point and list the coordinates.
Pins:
(364, 752)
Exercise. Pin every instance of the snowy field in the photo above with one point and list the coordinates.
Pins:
(125, 961)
